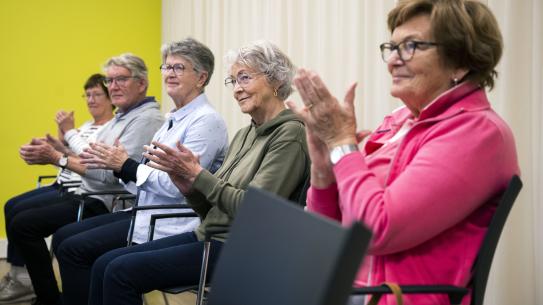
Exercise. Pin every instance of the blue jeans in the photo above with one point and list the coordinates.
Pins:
(78, 245)
(32, 199)
(121, 276)
(27, 231)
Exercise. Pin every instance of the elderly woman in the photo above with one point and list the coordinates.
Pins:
(446, 154)
(270, 153)
(187, 68)
(15, 286)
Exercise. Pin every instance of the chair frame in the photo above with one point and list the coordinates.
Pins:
(83, 196)
(483, 262)
(200, 288)
(42, 178)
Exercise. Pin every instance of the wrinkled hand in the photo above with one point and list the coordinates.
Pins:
(39, 152)
(321, 168)
(104, 156)
(334, 123)
(179, 161)
(57, 144)
(65, 121)
(182, 184)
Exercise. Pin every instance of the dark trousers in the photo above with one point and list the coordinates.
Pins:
(28, 229)
(37, 198)
(121, 276)
(78, 245)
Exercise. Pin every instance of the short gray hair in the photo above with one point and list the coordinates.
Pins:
(266, 58)
(133, 63)
(198, 54)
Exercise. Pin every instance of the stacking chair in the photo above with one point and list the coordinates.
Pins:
(44, 177)
(121, 196)
(480, 269)
(298, 197)
(277, 253)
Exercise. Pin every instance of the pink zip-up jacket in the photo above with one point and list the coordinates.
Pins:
(430, 209)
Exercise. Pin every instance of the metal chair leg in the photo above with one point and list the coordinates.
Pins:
(165, 297)
(80, 209)
(143, 299)
(203, 273)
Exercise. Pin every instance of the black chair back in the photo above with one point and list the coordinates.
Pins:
(486, 253)
(277, 253)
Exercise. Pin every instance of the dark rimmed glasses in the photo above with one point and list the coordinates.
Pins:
(406, 49)
(178, 69)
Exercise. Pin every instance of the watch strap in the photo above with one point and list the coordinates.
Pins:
(340, 151)
(63, 161)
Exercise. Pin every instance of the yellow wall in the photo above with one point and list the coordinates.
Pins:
(47, 51)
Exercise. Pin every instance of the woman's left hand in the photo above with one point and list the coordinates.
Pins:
(104, 156)
(328, 119)
(179, 162)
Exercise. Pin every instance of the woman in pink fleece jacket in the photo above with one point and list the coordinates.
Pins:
(428, 178)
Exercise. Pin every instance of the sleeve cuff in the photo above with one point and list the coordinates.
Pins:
(204, 180)
(129, 171)
(70, 134)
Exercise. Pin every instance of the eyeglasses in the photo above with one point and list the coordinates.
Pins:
(406, 49)
(178, 69)
(88, 96)
(243, 79)
(120, 80)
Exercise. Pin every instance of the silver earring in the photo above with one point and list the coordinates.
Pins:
(455, 81)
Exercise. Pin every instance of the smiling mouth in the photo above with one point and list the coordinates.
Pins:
(241, 100)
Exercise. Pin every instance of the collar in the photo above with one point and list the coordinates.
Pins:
(148, 99)
(464, 97)
(283, 116)
(181, 113)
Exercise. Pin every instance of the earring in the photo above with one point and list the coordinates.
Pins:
(455, 81)
(274, 92)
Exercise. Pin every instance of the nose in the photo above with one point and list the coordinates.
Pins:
(170, 72)
(237, 87)
(394, 60)
(394, 56)
(113, 85)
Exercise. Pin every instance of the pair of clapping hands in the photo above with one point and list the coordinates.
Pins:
(179, 162)
(47, 150)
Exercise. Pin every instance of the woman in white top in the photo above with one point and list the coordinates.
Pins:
(15, 286)
(72, 141)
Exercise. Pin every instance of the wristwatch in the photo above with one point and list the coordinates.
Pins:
(63, 161)
(340, 151)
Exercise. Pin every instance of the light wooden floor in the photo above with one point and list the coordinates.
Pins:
(153, 298)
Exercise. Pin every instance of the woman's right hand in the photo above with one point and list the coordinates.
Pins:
(65, 121)
(57, 144)
(321, 168)
(179, 162)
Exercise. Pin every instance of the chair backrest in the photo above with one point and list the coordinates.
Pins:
(482, 266)
(277, 253)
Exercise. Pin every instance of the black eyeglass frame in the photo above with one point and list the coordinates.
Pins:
(402, 48)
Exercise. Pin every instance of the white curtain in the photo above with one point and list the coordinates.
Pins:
(339, 39)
